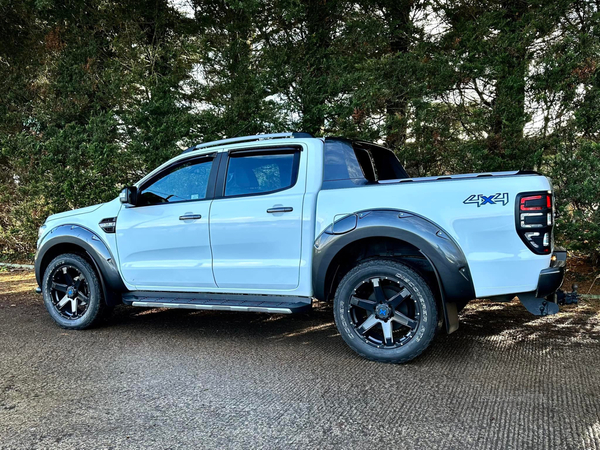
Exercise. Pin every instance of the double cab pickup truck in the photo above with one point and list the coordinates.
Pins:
(269, 223)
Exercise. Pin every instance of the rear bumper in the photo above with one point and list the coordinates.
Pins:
(551, 279)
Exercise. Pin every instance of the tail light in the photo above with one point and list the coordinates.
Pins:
(535, 220)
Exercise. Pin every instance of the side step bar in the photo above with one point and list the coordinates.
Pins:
(274, 304)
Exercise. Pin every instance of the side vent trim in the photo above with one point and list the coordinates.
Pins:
(109, 225)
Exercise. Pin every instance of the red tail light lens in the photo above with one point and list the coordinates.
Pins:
(534, 202)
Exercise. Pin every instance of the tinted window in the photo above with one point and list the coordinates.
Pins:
(340, 162)
(182, 183)
(261, 173)
(385, 163)
(359, 161)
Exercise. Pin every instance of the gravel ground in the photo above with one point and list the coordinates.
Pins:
(177, 379)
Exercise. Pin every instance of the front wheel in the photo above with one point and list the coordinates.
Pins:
(385, 311)
(72, 292)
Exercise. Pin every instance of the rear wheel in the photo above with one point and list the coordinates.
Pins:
(72, 292)
(385, 311)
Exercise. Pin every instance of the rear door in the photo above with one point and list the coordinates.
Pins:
(256, 219)
(163, 242)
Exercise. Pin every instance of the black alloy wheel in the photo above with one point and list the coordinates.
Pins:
(385, 311)
(72, 292)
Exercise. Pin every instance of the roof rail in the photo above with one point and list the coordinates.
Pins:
(256, 137)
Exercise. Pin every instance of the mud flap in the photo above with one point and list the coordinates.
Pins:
(450, 317)
(538, 306)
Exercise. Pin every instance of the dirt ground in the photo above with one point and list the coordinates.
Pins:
(584, 274)
(179, 379)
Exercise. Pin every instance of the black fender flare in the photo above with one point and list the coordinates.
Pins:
(95, 248)
(435, 244)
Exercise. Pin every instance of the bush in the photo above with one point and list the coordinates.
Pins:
(576, 174)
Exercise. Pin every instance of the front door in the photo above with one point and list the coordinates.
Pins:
(163, 241)
(256, 224)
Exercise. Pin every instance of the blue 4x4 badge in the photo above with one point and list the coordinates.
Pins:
(480, 199)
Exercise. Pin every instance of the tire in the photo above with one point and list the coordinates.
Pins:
(395, 328)
(72, 293)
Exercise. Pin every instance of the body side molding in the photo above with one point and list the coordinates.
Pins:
(96, 249)
(447, 258)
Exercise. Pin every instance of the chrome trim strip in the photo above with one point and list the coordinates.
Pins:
(214, 307)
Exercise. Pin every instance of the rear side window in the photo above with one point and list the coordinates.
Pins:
(359, 163)
(184, 182)
(261, 172)
(340, 162)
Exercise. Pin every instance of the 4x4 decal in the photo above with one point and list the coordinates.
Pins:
(480, 199)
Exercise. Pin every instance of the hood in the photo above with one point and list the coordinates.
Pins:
(74, 212)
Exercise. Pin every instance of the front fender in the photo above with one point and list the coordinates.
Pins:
(433, 242)
(91, 243)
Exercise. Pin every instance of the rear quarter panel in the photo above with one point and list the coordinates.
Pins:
(499, 261)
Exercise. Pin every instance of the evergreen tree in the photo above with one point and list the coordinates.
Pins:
(93, 94)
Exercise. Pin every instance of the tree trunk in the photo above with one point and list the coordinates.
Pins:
(320, 20)
(505, 141)
(397, 16)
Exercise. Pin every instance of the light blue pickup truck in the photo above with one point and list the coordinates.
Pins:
(269, 223)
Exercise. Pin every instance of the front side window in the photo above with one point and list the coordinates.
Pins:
(184, 182)
(260, 173)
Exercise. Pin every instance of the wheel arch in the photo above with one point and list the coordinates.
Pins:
(79, 240)
(402, 236)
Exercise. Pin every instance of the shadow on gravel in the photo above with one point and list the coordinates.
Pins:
(247, 325)
(481, 319)
(509, 322)
(576, 324)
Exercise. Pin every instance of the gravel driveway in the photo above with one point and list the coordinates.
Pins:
(177, 379)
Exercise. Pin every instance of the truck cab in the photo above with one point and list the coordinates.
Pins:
(268, 223)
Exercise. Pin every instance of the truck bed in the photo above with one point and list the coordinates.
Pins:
(499, 261)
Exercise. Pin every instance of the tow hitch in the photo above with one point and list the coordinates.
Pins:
(549, 305)
(568, 298)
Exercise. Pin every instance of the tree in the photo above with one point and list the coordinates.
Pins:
(490, 47)
(95, 93)
(299, 50)
(234, 97)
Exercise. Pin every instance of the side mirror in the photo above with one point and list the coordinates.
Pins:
(129, 195)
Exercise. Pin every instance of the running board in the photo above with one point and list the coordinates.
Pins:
(273, 304)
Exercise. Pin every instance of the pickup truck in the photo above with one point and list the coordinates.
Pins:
(269, 223)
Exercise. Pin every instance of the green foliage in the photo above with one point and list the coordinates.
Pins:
(577, 178)
(95, 93)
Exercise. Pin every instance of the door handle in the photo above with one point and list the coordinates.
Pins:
(280, 209)
(190, 217)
